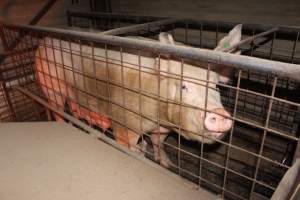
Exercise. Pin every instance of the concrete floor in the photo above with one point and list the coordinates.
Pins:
(56, 161)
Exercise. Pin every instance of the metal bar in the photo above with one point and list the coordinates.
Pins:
(34, 20)
(256, 45)
(237, 61)
(297, 152)
(140, 27)
(47, 5)
(113, 15)
(48, 113)
(231, 133)
(264, 136)
(99, 135)
(251, 39)
(284, 32)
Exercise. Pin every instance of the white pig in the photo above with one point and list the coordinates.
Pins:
(69, 70)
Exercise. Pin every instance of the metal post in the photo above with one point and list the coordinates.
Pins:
(48, 112)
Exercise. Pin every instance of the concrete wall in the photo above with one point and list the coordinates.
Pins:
(276, 12)
(285, 12)
(21, 11)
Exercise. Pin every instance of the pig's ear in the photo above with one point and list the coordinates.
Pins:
(166, 38)
(233, 37)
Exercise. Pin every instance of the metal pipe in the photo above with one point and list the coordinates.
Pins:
(47, 5)
(250, 39)
(140, 27)
(34, 20)
(291, 71)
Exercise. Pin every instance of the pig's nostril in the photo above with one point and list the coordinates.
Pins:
(213, 120)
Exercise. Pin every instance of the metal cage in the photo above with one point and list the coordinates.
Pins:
(263, 96)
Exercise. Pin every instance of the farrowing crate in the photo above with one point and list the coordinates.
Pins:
(263, 96)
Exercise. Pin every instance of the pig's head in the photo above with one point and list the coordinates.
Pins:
(194, 94)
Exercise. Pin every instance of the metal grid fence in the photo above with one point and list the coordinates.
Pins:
(249, 161)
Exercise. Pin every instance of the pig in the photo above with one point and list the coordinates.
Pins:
(129, 95)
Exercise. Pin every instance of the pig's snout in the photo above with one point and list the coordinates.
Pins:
(218, 123)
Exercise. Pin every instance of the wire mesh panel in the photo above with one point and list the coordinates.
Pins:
(5, 111)
(17, 69)
(167, 105)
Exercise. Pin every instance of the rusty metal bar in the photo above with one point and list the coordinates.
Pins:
(7, 97)
(140, 27)
(47, 5)
(243, 62)
(251, 39)
(34, 20)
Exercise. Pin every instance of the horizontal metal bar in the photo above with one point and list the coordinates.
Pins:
(96, 134)
(140, 27)
(291, 71)
(74, 13)
(250, 39)
(284, 32)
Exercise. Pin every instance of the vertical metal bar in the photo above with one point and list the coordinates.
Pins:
(217, 34)
(56, 73)
(231, 132)
(200, 35)
(295, 46)
(48, 113)
(42, 71)
(180, 116)
(173, 31)
(73, 73)
(63, 67)
(84, 83)
(123, 96)
(47, 61)
(95, 78)
(272, 46)
(140, 98)
(92, 5)
(186, 32)
(108, 81)
(297, 151)
(205, 110)
(264, 136)
(252, 43)
(158, 105)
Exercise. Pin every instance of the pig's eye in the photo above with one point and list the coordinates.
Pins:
(184, 88)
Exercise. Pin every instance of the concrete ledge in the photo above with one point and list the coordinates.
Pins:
(57, 161)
